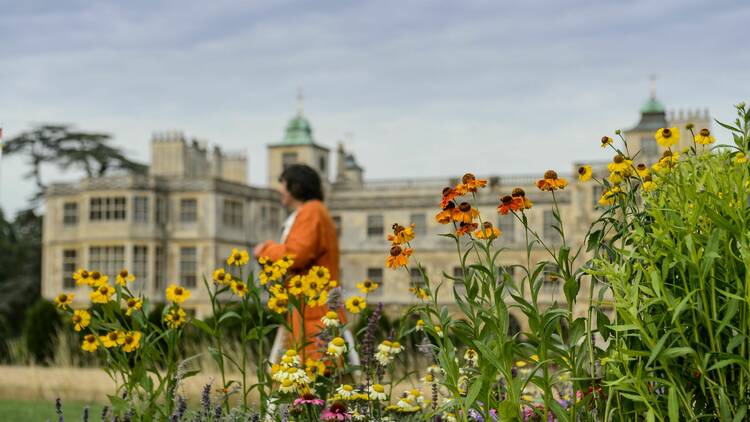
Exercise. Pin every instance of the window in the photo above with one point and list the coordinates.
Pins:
(159, 269)
(69, 266)
(374, 225)
(161, 210)
(188, 266)
(337, 224)
(322, 164)
(551, 277)
(287, 159)
(232, 213)
(70, 213)
(105, 209)
(420, 223)
(549, 231)
(108, 260)
(376, 275)
(140, 264)
(188, 210)
(649, 149)
(596, 194)
(507, 226)
(415, 278)
(263, 215)
(140, 209)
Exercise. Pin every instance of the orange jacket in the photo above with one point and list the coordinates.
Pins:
(311, 241)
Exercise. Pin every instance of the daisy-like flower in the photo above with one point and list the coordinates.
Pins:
(290, 358)
(419, 326)
(367, 286)
(285, 262)
(466, 228)
(222, 277)
(330, 319)
(401, 234)
(471, 356)
(609, 197)
(82, 277)
(449, 194)
(102, 294)
(239, 288)
(346, 391)
(80, 319)
(704, 137)
(336, 347)
(320, 273)
(310, 399)
(439, 330)
(648, 184)
(123, 277)
(90, 343)
(615, 178)
(313, 285)
(519, 197)
(63, 300)
(238, 257)
(668, 160)
(740, 158)
(175, 317)
(356, 304)
(287, 386)
(112, 339)
(337, 412)
(177, 294)
(620, 164)
(319, 299)
(446, 215)
(97, 279)
(269, 275)
(131, 341)
(279, 303)
(606, 141)
(642, 170)
(296, 285)
(469, 183)
(667, 137)
(377, 392)
(398, 257)
(584, 173)
(465, 213)
(506, 205)
(551, 182)
(133, 304)
(487, 231)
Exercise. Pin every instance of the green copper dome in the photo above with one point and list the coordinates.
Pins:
(298, 132)
(652, 106)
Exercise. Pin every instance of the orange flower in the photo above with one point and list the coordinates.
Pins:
(399, 257)
(551, 182)
(487, 231)
(465, 213)
(446, 215)
(519, 197)
(465, 228)
(401, 234)
(506, 205)
(448, 195)
(469, 183)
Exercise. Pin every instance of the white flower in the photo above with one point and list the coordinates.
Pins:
(383, 358)
(331, 319)
(346, 391)
(290, 358)
(377, 392)
(287, 386)
(471, 356)
(336, 347)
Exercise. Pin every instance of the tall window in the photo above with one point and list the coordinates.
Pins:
(337, 223)
(232, 213)
(188, 210)
(140, 264)
(322, 164)
(159, 269)
(374, 225)
(161, 210)
(420, 223)
(649, 149)
(549, 231)
(287, 159)
(70, 213)
(189, 266)
(140, 209)
(107, 260)
(109, 208)
(507, 226)
(69, 266)
(376, 275)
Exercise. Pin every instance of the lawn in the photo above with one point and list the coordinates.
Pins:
(32, 411)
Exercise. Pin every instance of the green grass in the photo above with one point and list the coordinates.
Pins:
(33, 411)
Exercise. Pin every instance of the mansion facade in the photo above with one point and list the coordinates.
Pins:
(178, 222)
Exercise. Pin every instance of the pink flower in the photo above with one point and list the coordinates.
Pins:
(337, 412)
(309, 399)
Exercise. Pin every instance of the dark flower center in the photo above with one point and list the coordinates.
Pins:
(104, 290)
(113, 336)
(321, 273)
(487, 225)
(581, 170)
(131, 303)
(705, 132)
(666, 133)
(237, 257)
(449, 206)
(96, 275)
(63, 297)
(550, 174)
(76, 319)
(518, 192)
(507, 199)
(468, 177)
(123, 273)
(641, 167)
(464, 207)
(605, 139)
(618, 159)
(447, 190)
(85, 274)
(178, 291)
(395, 250)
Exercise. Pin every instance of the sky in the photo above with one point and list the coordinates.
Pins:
(414, 89)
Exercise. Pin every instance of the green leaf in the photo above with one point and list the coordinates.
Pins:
(674, 352)
(474, 391)
(673, 405)
(657, 349)
(203, 326)
(228, 315)
(508, 411)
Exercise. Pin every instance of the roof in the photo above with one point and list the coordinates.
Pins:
(298, 132)
(653, 116)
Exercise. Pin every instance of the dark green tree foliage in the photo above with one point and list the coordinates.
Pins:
(40, 330)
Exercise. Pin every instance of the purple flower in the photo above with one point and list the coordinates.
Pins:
(309, 399)
(337, 412)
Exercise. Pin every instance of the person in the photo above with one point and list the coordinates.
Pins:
(309, 237)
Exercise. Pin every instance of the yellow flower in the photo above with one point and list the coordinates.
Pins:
(356, 304)
(608, 197)
(222, 277)
(175, 317)
(487, 231)
(82, 277)
(296, 285)
(312, 285)
(102, 294)
(269, 274)
(133, 303)
(330, 319)
(740, 158)
(239, 288)
(667, 137)
(113, 339)
(584, 173)
(81, 319)
(320, 273)
(648, 186)
(615, 178)
(377, 392)
(96, 279)
(177, 294)
(315, 368)
(319, 299)
(367, 286)
(551, 182)
(704, 137)
(606, 140)
(285, 262)
(123, 277)
(336, 347)
(398, 257)
(620, 164)
(90, 343)
(238, 258)
(278, 303)
(401, 234)
(642, 170)
(420, 325)
(419, 293)
(64, 300)
(131, 341)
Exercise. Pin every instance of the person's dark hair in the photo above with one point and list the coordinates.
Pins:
(302, 182)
